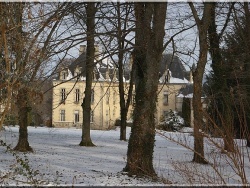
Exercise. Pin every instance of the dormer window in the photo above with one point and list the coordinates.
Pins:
(64, 75)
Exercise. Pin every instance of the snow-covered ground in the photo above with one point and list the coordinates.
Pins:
(59, 160)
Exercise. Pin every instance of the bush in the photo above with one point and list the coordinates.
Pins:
(173, 122)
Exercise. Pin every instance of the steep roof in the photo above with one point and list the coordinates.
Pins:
(80, 61)
(174, 64)
(102, 70)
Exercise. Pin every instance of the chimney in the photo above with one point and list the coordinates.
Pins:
(191, 76)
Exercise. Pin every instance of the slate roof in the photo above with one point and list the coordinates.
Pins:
(174, 64)
(168, 61)
(189, 89)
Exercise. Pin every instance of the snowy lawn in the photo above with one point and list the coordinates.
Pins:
(58, 159)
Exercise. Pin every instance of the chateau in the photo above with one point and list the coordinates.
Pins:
(69, 86)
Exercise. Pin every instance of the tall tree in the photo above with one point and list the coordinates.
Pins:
(247, 69)
(5, 65)
(202, 25)
(150, 23)
(236, 59)
(118, 41)
(27, 54)
(25, 47)
(229, 82)
(121, 35)
(90, 54)
(22, 102)
(221, 105)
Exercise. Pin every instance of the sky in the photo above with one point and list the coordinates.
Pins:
(185, 42)
(59, 160)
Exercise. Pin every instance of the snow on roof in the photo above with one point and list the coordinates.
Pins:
(70, 76)
(186, 96)
(178, 81)
(107, 61)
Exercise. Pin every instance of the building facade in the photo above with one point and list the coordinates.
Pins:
(69, 86)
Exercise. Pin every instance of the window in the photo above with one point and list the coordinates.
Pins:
(62, 115)
(165, 98)
(92, 116)
(64, 75)
(63, 95)
(77, 95)
(76, 116)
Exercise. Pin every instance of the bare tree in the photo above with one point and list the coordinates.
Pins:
(122, 32)
(203, 24)
(86, 104)
(26, 48)
(150, 23)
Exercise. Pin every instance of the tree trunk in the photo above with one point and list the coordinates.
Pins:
(248, 141)
(123, 124)
(86, 105)
(123, 109)
(148, 53)
(23, 93)
(202, 25)
(23, 110)
(125, 106)
(198, 117)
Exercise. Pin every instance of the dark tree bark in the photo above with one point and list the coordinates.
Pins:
(186, 111)
(202, 25)
(86, 105)
(23, 110)
(150, 23)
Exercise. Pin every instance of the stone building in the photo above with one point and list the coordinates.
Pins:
(69, 85)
